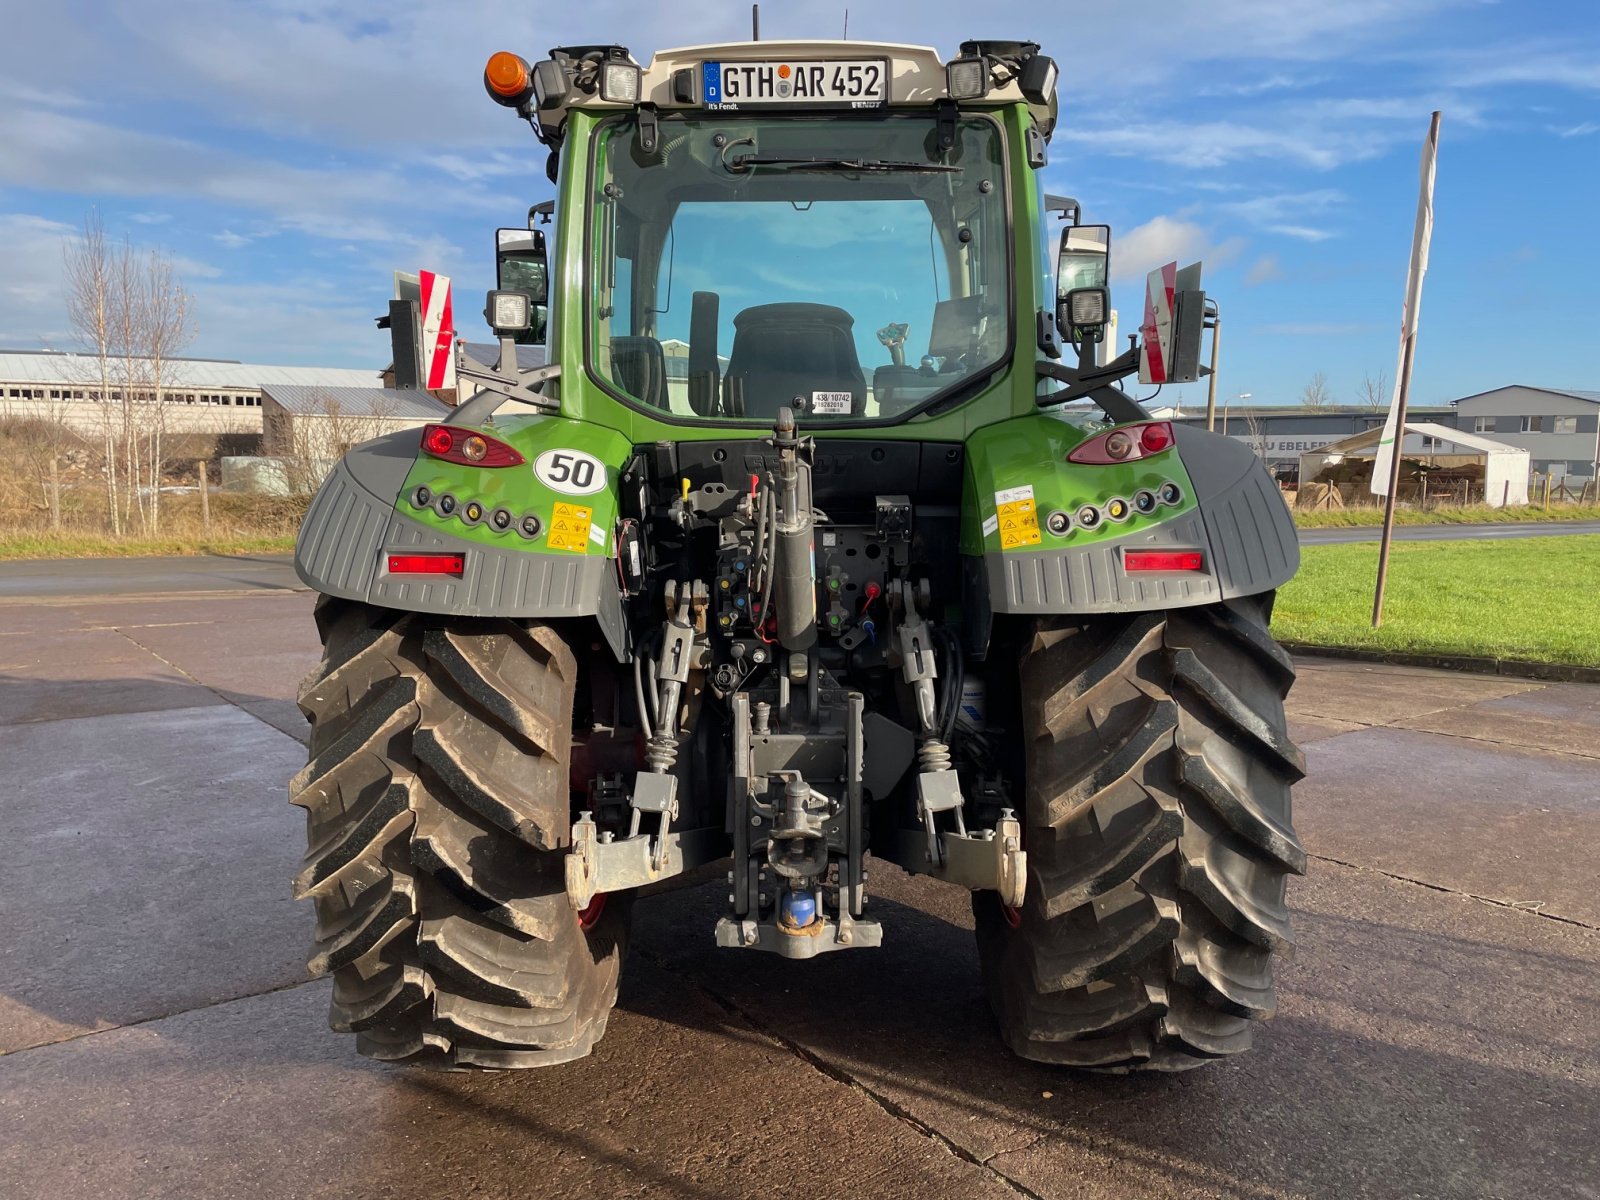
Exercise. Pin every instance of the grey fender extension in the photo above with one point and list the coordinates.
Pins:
(1242, 523)
(352, 523)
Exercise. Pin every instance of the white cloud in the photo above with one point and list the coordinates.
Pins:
(33, 312)
(231, 240)
(1265, 269)
(72, 154)
(1583, 130)
(1304, 233)
(1166, 239)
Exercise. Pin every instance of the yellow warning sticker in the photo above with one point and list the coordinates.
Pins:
(569, 528)
(1017, 518)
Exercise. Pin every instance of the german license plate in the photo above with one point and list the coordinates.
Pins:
(856, 84)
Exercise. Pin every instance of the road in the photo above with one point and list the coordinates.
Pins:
(40, 578)
(1438, 1033)
(1448, 533)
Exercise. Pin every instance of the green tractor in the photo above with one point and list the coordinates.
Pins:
(818, 533)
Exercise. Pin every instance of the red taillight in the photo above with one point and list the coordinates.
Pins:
(428, 564)
(1163, 560)
(1124, 444)
(468, 447)
(1156, 438)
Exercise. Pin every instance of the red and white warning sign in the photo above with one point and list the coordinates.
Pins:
(438, 332)
(1155, 331)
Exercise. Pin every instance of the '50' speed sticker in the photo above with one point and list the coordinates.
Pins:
(571, 472)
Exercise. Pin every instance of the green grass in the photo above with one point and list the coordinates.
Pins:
(1533, 599)
(1472, 514)
(24, 544)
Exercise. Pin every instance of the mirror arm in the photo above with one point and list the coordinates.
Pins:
(1097, 385)
(500, 387)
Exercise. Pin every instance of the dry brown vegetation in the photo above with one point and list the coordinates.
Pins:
(50, 511)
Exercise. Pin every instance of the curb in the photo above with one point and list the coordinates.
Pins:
(1514, 667)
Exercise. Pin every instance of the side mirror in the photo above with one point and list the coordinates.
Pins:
(1083, 269)
(520, 264)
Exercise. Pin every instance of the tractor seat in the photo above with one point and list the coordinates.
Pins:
(781, 351)
(639, 365)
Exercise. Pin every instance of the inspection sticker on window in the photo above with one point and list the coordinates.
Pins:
(1017, 517)
(831, 404)
(569, 527)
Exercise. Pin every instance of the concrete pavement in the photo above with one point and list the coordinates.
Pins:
(1439, 1032)
(77, 577)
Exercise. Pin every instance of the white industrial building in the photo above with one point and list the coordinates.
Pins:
(198, 395)
(1558, 427)
(320, 423)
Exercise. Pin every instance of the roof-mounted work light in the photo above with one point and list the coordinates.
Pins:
(619, 83)
(967, 78)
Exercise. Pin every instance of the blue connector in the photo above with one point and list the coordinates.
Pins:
(797, 909)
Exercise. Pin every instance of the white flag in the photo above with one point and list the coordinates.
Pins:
(1392, 437)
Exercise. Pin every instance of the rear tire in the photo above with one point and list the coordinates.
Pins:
(1159, 840)
(437, 814)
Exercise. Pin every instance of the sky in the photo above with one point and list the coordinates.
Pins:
(291, 154)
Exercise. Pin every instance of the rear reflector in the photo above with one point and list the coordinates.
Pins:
(427, 564)
(1163, 560)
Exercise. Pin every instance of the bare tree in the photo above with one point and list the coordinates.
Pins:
(309, 442)
(132, 314)
(1257, 435)
(1374, 392)
(1316, 394)
(165, 327)
(90, 305)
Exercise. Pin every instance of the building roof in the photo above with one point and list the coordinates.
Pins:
(1193, 412)
(59, 367)
(1443, 433)
(355, 401)
(1573, 393)
(488, 353)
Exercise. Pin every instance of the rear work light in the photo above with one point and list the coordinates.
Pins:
(1124, 444)
(428, 564)
(1163, 560)
(468, 447)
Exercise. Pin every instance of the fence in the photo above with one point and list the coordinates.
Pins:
(1548, 489)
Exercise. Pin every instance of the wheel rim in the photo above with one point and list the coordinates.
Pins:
(589, 916)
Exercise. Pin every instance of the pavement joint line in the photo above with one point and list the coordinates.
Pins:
(840, 1076)
(1521, 906)
(220, 695)
(177, 1012)
(1466, 737)
(142, 597)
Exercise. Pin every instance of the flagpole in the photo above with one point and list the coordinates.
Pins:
(1395, 427)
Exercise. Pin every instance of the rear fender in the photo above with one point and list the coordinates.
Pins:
(383, 498)
(1230, 510)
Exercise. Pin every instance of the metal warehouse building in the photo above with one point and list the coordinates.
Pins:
(1558, 427)
(199, 395)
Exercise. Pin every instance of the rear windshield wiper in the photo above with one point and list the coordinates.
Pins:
(839, 164)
